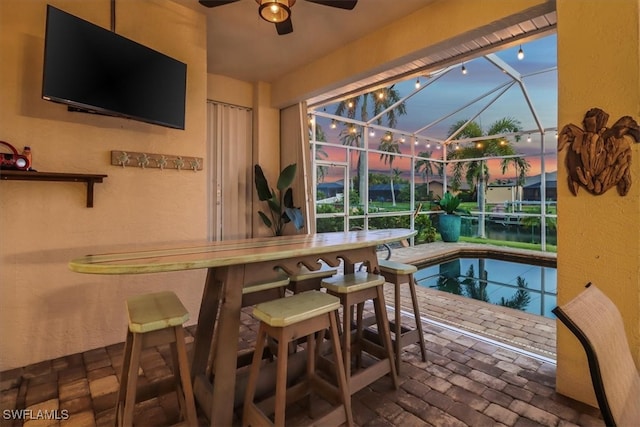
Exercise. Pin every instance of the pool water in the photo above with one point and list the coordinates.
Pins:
(527, 287)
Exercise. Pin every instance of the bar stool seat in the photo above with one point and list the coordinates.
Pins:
(155, 319)
(398, 273)
(307, 280)
(307, 314)
(354, 290)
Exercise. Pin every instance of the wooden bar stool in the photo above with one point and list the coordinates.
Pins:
(252, 294)
(306, 314)
(398, 273)
(155, 319)
(307, 280)
(354, 290)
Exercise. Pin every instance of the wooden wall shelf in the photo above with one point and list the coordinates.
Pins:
(90, 179)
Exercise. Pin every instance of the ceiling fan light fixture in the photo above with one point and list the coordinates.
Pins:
(275, 11)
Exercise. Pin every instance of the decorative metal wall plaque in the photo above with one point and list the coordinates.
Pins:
(155, 161)
(598, 157)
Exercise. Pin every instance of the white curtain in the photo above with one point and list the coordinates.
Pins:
(229, 149)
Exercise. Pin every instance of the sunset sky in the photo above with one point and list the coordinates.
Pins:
(454, 90)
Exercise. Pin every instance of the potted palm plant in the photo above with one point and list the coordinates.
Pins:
(450, 221)
(279, 201)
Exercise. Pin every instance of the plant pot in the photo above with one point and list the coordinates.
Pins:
(450, 227)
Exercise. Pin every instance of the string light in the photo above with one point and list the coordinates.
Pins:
(520, 54)
(381, 95)
(464, 69)
(428, 145)
(333, 124)
(457, 146)
(350, 104)
(418, 83)
(529, 138)
(372, 132)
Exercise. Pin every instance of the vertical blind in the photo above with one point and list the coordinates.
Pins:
(229, 149)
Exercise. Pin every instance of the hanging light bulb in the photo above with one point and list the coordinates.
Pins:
(463, 69)
(416, 142)
(428, 145)
(350, 104)
(418, 83)
(529, 138)
(372, 132)
(479, 145)
(402, 139)
(520, 53)
(457, 146)
(333, 124)
(275, 10)
(381, 95)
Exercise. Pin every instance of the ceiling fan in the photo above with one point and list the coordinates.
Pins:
(278, 12)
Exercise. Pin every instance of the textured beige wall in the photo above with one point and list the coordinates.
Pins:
(47, 311)
(598, 236)
(230, 91)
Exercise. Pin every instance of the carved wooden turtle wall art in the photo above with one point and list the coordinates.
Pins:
(598, 157)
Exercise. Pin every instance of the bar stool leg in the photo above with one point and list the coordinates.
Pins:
(416, 314)
(398, 325)
(247, 419)
(132, 380)
(124, 380)
(182, 368)
(281, 381)
(341, 376)
(383, 322)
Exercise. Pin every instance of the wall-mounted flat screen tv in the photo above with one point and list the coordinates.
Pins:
(96, 70)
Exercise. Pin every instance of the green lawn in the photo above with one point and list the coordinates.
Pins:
(518, 245)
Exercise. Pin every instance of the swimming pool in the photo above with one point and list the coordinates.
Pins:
(523, 286)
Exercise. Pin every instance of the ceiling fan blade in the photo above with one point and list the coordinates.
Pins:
(284, 27)
(342, 4)
(215, 3)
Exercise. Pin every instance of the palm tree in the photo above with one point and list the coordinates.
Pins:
(359, 108)
(476, 171)
(427, 168)
(389, 146)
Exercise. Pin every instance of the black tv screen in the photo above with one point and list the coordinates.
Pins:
(96, 70)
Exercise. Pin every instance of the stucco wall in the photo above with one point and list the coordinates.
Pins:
(598, 236)
(47, 311)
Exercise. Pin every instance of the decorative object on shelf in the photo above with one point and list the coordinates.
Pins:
(155, 161)
(598, 157)
(14, 160)
(281, 202)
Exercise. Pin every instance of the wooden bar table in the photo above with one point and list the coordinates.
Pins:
(230, 265)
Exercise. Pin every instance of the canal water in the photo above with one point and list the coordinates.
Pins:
(510, 233)
(528, 287)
